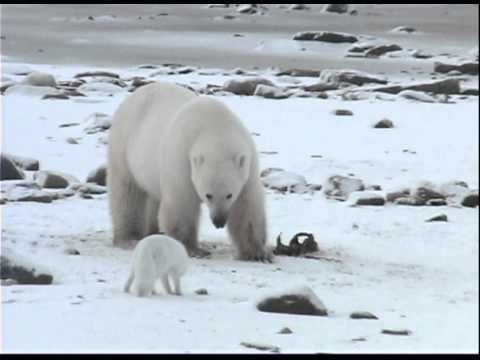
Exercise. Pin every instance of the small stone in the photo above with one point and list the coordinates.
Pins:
(86, 196)
(384, 124)
(470, 199)
(441, 217)
(359, 339)
(343, 112)
(358, 198)
(72, 141)
(380, 50)
(285, 330)
(98, 176)
(201, 291)
(72, 251)
(51, 180)
(436, 202)
(245, 86)
(259, 346)
(412, 201)
(363, 315)
(336, 8)
(392, 196)
(404, 332)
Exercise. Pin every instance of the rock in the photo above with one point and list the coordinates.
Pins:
(55, 97)
(100, 87)
(247, 9)
(396, 332)
(350, 76)
(454, 190)
(300, 301)
(384, 124)
(97, 122)
(51, 180)
(220, 6)
(98, 176)
(392, 196)
(441, 217)
(417, 95)
(285, 330)
(25, 194)
(37, 78)
(470, 68)
(284, 181)
(8, 185)
(270, 92)
(321, 86)
(366, 198)
(22, 273)
(336, 8)
(426, 191)
(404, 29)
(411, 201)
(362, 315)
(8, 170)
(436, 202)
(299, 73)
(86, 196)
(72, 251)
(298, 7)
(342, 112)
(325, 36)
(201, 291)
(470, 92)
(360, 48)
(245, 86)
(9, 282)
(470, 199)
(5, 85)
(88, 188)
(340, 187)
(97, 73)
(295, 248)
(268, 171)
(72, 141)
(418, 54)
(260, 346)
(380, 50)
(32, 91)
(445, 86)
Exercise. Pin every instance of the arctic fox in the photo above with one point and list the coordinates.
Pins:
(157, 257)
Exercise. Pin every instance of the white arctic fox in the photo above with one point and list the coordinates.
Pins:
(157, 257)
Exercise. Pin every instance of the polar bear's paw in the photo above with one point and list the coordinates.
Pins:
(261, 255)
(199, 252)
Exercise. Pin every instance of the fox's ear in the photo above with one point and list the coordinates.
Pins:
(198, 160)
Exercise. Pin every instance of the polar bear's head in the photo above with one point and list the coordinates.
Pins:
(218, 181)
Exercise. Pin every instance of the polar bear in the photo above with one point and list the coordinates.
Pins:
(169, 151)
(157, 257)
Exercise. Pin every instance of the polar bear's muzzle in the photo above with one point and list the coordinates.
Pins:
(219, 221)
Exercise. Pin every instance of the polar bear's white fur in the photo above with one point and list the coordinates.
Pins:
(157, 257)
(169, 151)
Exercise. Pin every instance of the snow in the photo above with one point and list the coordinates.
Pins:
(415, 275)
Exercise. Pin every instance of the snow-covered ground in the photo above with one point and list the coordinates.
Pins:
(415, 275)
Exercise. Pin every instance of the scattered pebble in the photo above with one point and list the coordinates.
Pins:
(441, 217)
(357, 315)
(201, 291)
(396, 332)
(285, 330)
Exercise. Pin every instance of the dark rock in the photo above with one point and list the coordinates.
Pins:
(321, 86)
(446, 86)
(258, 346)
(22, 274)
(372, 198)
(299, 73)
(470, 199)
(285, 330)
(359, 78)
(55, 97)
(426, 192)
(8, 169)
(24, 162)
(97, 73)
(340, 187)
(380, 50)
(247, 8)
(268, 171)
(396, 332)
(51, 180)
(360, 48)
(441, 217)
(98, 176)
(245, 86)
(68, 125)
(470, 92)
(72, 251)
(202, 291)
(404, 29)
(384, 124)
(436, 202)
(336, 8)
(412, 201)
(362, 315)
(342, 112)
(325, 36)
(470, 68)
(300, 302)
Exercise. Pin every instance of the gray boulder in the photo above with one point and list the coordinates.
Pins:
(8, 170)
(53, 180)
(336, 8)
(340, 187)
(469, 68)
(245, 86)
(37, 78)
(350, 76)
(24, 162)
(470, 199)
(270, 92)
(98, 176)
(380, 50)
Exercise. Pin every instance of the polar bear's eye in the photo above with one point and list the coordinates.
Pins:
(229, 196)
(209, 196)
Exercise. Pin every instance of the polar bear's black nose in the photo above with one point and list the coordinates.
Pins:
(219, 221)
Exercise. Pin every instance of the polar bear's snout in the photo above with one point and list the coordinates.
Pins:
(219, 220)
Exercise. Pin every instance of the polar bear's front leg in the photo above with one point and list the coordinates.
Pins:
(181, 222)
(247, 224)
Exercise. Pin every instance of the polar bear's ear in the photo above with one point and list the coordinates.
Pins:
(198, 160)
